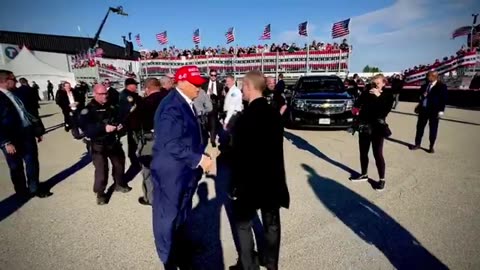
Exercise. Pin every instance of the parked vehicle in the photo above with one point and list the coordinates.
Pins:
(320, 101)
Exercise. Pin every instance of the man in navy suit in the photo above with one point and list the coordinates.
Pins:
(17, 139)
(430, 109)
(178, 160)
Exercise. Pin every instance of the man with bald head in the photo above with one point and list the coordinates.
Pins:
(100, 122)
(430, 109)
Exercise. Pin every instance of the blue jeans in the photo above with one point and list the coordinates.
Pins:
(26, 151)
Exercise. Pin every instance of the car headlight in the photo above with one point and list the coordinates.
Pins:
(299, 104)
(349, 105)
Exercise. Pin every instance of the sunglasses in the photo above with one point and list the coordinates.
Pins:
(213, 75)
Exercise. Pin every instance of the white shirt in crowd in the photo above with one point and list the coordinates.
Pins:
(71, 100)
(212, 86)
(233, 102)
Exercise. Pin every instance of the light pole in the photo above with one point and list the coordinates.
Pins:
(118, 10)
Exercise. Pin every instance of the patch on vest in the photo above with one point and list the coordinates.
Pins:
(84, 111)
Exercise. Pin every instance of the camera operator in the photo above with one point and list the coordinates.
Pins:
(100, 122)
(372, 107)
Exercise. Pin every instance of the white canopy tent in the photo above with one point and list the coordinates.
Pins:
(26, 65)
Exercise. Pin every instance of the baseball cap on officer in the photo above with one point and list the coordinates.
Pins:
(190, 74)
(130, 81)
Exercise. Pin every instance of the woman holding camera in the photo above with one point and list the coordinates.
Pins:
(371, 108)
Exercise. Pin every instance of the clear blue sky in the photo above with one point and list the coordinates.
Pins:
(391, 34)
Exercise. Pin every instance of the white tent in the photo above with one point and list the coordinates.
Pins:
(26, 65)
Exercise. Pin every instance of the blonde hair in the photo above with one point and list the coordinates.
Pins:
(257, 80)
(379, 76)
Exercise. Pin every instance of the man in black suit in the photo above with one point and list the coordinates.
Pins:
(17, 140)
(29, 96)
(430, 109)
(113, 94)
(50, 90)
(258, 173)
(397, 87)
(214, 90)
(280, 86)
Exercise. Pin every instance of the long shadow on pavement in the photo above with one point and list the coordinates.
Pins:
(205, 221)
(301, 143)
(11, 204)
(372, 224)
(441, 119)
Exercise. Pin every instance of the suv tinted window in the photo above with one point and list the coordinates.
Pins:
(320, 84)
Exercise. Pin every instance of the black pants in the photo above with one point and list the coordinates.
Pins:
(432, 119)
(26, 151)
(67, 119)
(180, 254)
(271, 248)
(376, 140)
(132, 140)
(50, 94)
(100, 156)
(145, 158)
(213, 124)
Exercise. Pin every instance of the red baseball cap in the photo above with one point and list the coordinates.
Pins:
(190, 74)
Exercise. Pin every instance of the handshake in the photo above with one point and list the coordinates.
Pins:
(206, 163)
(110, 128)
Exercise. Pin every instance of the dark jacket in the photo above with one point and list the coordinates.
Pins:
(61, 98)
(10, 122)
(397, 86)
(149, 107)
(218, 99)
(129, 110)
(113, 96)
(29, 97)
(372, 107)
(258, 169)
(93, 119)
(280, 87)
(436, 98)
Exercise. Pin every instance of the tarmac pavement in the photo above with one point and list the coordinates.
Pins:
(427, 218)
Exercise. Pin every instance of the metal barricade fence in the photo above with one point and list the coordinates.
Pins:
(270, 62)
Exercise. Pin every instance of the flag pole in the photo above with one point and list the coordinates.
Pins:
(308, 54)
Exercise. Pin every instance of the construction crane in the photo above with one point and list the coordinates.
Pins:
(117, 10)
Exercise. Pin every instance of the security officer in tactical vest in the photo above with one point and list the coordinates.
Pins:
(129, 113)
(154, 95)
(100, 123)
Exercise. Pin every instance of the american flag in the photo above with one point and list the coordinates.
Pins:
(162, 37)
(230, 35)
(196, 36)
(462, 31)
(302, 29)
(266, 33)
(340, 29)
(137, 39)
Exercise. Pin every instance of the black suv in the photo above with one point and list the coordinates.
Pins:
(320, 101)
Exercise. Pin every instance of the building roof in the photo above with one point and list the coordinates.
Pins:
(62, 44)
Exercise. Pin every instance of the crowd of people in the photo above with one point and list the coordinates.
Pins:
(168, 131)
(463, 50)
(174, 52)
(92, 63)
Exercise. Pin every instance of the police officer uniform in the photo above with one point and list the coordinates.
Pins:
(203, 106)
(149, 106)
(130, 117)
(103, 146)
